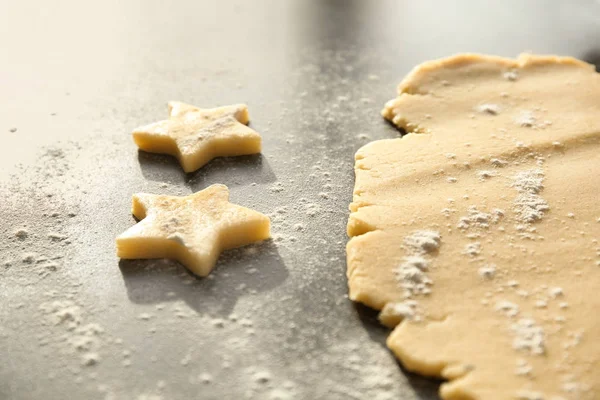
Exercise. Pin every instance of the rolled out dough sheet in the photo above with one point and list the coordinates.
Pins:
(479, 229)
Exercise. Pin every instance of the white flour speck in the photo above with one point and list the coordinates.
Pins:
(486, 174)
(447, 211)
(205, 378)
(477, 219)
(423, 241)
(473, 249)
(90, 359)
(523, 368)
(399, 311)
(511, 75)
(412, 278)
(487, 271)
(411, 271)
(498, 163)
(529, 206)
(508, 308)
(526, 119)
(555, 292)
(488, 108)
(541, 304)
(528, 336)
(262, 377)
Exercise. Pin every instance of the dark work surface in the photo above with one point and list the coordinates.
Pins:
(273, 321)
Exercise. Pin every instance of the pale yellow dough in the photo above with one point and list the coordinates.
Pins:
(195, 136)
(192, 230)
(502, 161)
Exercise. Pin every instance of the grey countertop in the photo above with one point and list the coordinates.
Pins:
(273, 320)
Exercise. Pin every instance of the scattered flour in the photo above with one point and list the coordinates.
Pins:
(479, 219)
(486, 174)
(523, 368)
(411, 273)
(541, 304)
(488, 271)
(473, 249)
(205, 378)
(526, 119)
(555, 292)
(498, 163)
(393, 313)
(529, 206)
(83, 338)
(262, 377)
(508, 308)
(423, 242)
(488, 108)
(511, 75)
(529, 336)
(312, 209)
(448, 211)
(412, 278)
(277, 187)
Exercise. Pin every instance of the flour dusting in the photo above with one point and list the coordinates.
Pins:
(422, 242)
(508, 308)
(487, 271)
(479, 219)
(529, 336)
(411, 273)
(393, 313)
(529, 206)
(488, 108)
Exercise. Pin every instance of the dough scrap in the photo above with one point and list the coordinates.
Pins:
(195, 136)
(192, 229)
(501, 160)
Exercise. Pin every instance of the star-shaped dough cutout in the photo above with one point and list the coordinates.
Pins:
(192, 229)
(195, 135)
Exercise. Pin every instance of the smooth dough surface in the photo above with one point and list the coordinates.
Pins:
(195, 136)
(192, 229)
(477, 233)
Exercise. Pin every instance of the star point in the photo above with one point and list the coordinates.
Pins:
(195, 136)
(191, 229)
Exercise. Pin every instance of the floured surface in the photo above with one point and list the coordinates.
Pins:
(502, 166)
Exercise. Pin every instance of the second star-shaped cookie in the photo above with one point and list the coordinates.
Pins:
(192, 229)
(195, 136)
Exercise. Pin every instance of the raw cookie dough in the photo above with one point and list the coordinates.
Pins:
(195, 136)
(479, 228)
(192, 229)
